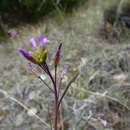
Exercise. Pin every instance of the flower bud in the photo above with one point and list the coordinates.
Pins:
(27, 55)
(57, 55)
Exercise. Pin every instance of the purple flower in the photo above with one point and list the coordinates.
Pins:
(66, 68)
(12, 32)
(27, 55)
(32, 69)
(33, 42)
(39, 54)
(63, 72)
(43, 40)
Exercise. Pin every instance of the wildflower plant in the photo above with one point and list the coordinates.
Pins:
(39, 57)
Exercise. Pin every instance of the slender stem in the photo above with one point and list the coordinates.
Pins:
(46, 84)
(43, 67)
(55, 94)
(59, 86)
(47, 71)
(56, 101)
(56, 116)
(51, 77)
(55, 75)
(67, 87)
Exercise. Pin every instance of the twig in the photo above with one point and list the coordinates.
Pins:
(102, 95)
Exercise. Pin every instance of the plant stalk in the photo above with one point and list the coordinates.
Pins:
(56, 97)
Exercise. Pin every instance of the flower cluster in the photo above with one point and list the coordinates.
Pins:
(38, 56)
(39, 53)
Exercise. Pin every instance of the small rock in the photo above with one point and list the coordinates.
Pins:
(120, 77)
(32, 95)
(43, 77)
(32, 111)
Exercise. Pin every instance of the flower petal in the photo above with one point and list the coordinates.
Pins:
(27, 55)
(33, 42)
(12, 32)
(63, 72)
(43, 40)
(66, 68)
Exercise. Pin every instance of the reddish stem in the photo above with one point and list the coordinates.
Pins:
(55, 94)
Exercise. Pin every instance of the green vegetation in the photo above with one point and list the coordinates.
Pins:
(34, 9)
(12, 12)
